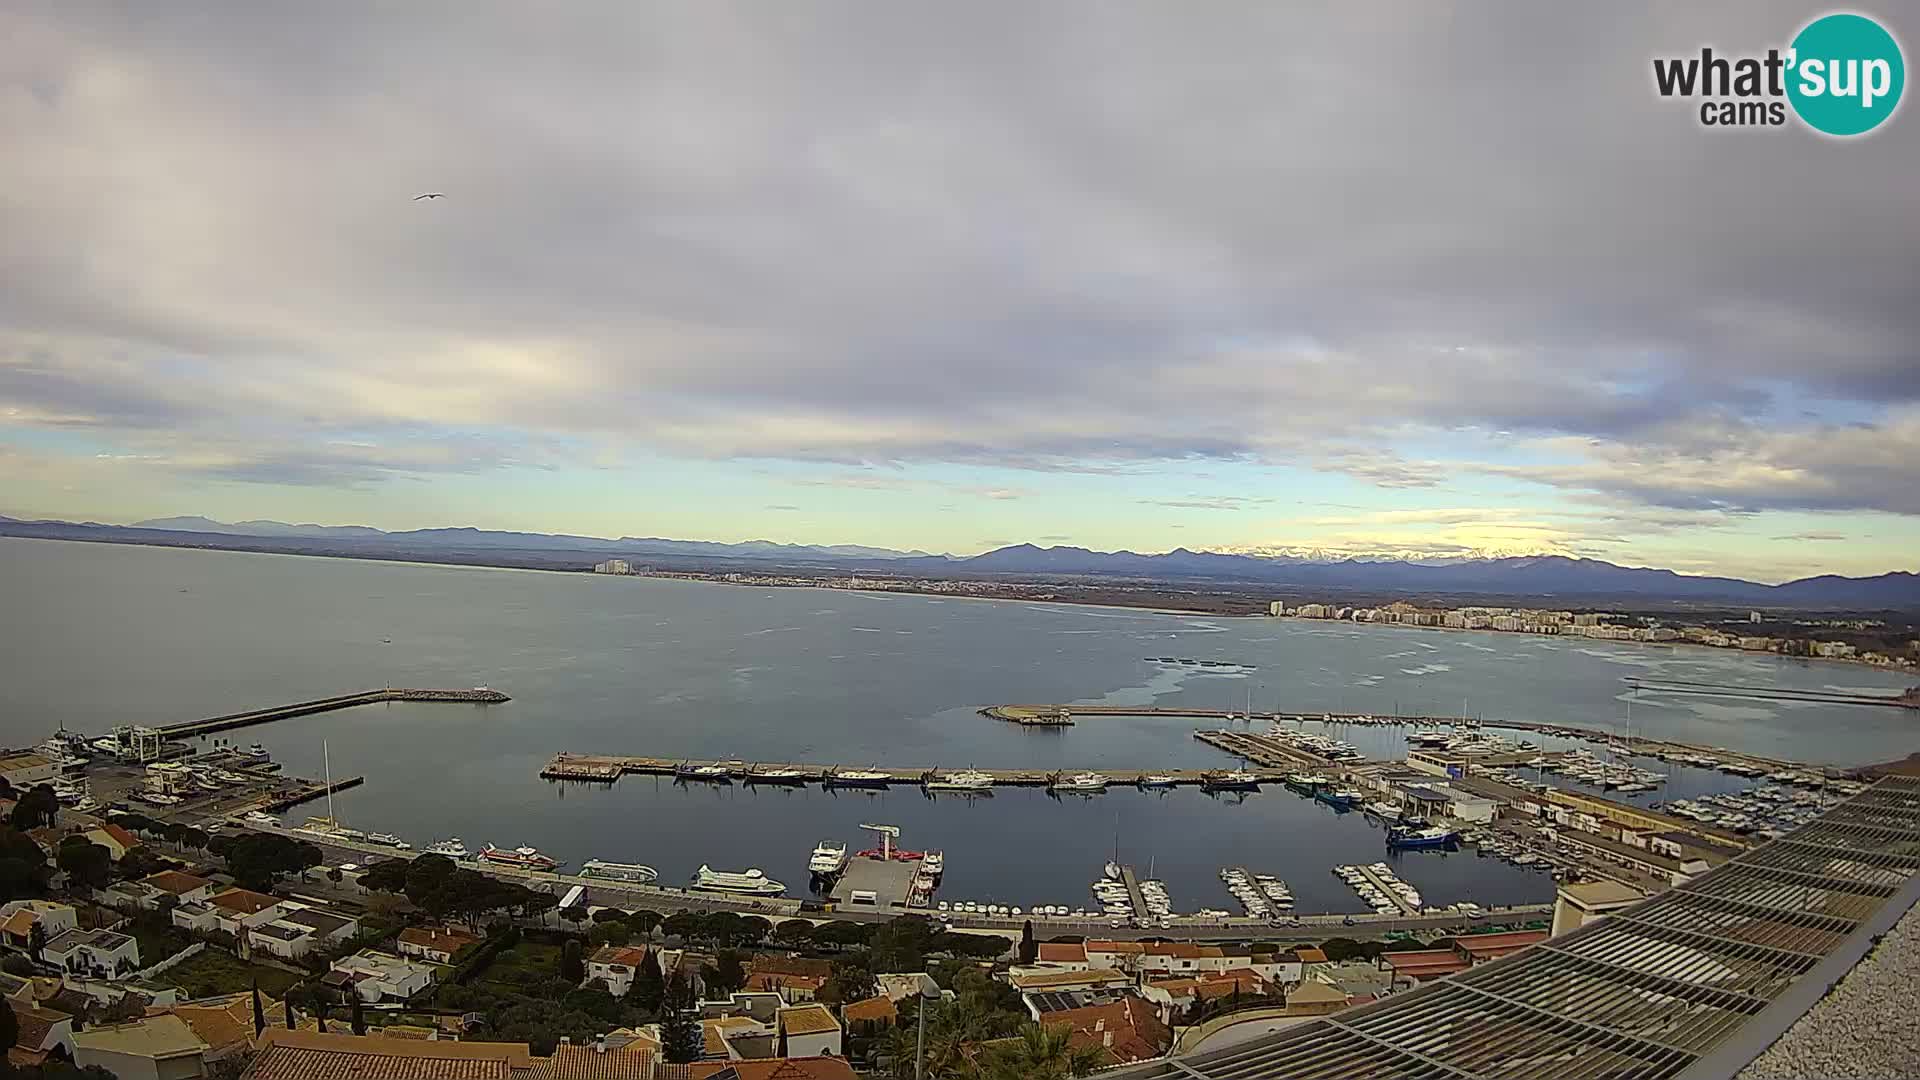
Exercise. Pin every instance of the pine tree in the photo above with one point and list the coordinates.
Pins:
(680, 1037)
(648, 984)
(573, 966)
(1029, 948)
(259, 1014)
(359, 1015)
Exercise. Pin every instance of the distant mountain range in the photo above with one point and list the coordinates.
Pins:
(1544, 577)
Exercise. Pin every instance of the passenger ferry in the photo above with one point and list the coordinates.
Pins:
(637, 873)
(525, 858)
(858, 778)
(752, 882)
(829, 858)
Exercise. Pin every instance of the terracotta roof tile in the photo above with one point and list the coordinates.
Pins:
(804, 1068)
(242, 901)
(1061, 953)
(878, 1007)
(1128, 1030)
(310, 1055)
(175, 882)
(576, 1062)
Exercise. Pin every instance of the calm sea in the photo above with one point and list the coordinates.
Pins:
(98, 635)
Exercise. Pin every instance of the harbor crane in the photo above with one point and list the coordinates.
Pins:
(888, 834)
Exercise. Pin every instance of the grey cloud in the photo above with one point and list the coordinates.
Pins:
(1091, 238)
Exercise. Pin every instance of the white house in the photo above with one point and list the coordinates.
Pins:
(156, 1048)
(42, 1031)
(434, 944)
(240, 909)
(379, 977)
(809, 1031)
(301, 930)
(616, 966)
(195, 916)
(184, 888)
(23, 771)
(19, 917)
(102, 953)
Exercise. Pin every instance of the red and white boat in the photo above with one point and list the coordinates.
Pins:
(521, 858)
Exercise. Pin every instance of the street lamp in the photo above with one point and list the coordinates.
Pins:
(929, 993)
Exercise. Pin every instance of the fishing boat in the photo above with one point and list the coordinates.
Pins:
(753, 882)
(1433, 836)
(1235, 780)
(858, 778)
(1338, 798)
(637, 873)
(717, 774)
(1306, 783)
(452, 849)
(829, 858)
(1159, 780)
(523, 858)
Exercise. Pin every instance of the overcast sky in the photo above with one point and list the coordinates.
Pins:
(1238, 276)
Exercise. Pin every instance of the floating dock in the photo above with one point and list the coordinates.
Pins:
(1391, 894)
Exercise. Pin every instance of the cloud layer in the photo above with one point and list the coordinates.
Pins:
(1404, 248)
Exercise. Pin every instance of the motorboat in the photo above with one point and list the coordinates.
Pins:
(387, 840)
(452, 849)
(829, 858)
(1307, 783)
(714, 773)
(934, 863)
(522, 858)
(752, 882)
(858, 778)
(1086, 781)
(1338, 798)
(964, 780)
(776, 776)
(1159, 780)
(636, 873)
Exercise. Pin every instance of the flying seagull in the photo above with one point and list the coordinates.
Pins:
(429, 195)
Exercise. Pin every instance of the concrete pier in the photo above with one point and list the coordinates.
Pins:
(605, 768)
(477, 696)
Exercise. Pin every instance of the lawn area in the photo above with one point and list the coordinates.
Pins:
(522, 966)
(214, 971)
(157, 940)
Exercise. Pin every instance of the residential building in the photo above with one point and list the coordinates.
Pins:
(616, 965)
(810, 1031)
(797, 979)
(129, 896)
(599, 1061)
(25, 770)
(613, 566)
(42, 1032)
(204, 918)
(100, 953)
(1072, 956)
(376, 976)
(184, 888)
(235, 910)
(1480, 948)
(1173, 997)
(159, 1047)
(789, 1068)
(311, 1055)
(732, 1038)
(1580, 903)
(225, 1023)
(19, 917)
(1315, 998)
(1034, 980)
(871, 1016)
(434, 944)
(1422, 965)
(115, 839)
(1676, 871)
(298, 930)
(1127, 1031)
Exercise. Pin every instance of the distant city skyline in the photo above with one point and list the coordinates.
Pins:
(1143, 282)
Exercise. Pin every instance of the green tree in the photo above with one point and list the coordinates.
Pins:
(86, 862)
(610, 933)
(1042, 1053)
(573, 967)
(576, 914)
(387, 877)
(648, 984)
(680, 1037)
(954, 1031)
(36, 808)
(644, 922)
(359, 1014)
(793, 933)
(727, 973)
(9, 1024)
(851, 980)
(609, 914)
(1029, 948)
(36, 939)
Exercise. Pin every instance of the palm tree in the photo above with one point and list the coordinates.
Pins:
(1041, 1053)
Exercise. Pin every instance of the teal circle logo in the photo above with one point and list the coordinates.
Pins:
(1846, 75)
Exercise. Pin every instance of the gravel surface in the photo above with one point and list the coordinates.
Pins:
(1864, 1027)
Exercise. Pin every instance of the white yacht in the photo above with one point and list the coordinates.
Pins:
(1159, 780)
(934, 863)
(869, 778)
(1086, 781)
(637, 873)
(452, 849)
(752, 882)
(964, 780)
(829, 858)
(388, 840)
